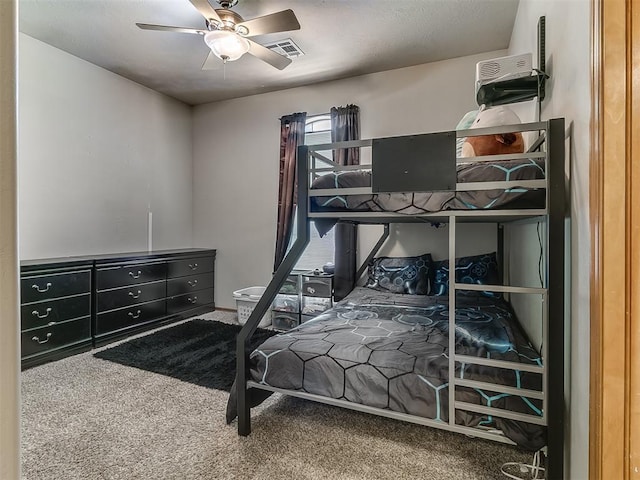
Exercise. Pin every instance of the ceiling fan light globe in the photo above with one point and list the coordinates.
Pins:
(226, 45)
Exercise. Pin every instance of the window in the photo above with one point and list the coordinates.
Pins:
(319, 251)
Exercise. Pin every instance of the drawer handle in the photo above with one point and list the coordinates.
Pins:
(37, 339)
(135, 295)
(193, 266)
(135, 275)
(42, 290)
(192, 300)
(37, 313)
(192, 283)
(134, 315)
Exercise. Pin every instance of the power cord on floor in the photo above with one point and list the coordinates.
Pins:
(534, 468)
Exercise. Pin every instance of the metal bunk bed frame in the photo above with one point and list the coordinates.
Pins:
(552, 354)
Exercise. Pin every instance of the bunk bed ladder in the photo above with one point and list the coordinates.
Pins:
(553, 319)
(279, 277)
(452, 321)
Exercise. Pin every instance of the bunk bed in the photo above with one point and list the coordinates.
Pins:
(486, 380)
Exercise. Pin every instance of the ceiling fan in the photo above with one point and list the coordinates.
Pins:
(228, 35)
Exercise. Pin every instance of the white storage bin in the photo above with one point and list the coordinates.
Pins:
(246, 301)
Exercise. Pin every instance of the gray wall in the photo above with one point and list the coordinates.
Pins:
(569, 96)
(236, 150)
(97, 153)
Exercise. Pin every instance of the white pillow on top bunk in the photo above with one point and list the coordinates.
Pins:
(503, 143)
(465, 124)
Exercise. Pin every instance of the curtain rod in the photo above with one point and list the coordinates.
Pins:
(324, 113)
(308, 114)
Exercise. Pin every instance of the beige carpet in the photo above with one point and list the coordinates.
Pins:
(85, 418)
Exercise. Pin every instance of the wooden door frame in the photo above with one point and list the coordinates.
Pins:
(9, 269)
(614, 446)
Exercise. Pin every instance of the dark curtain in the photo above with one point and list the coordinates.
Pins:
(345, 125)
(291, 136)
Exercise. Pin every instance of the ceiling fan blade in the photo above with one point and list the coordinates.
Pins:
(212, 62)
(165, 28)
(206, 10)
(264, 54)
(275, 22)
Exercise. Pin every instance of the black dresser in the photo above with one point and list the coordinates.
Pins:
(189, 283)
(71, 304)
(55, 309)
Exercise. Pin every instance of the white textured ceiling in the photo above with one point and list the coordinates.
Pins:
(340, 38)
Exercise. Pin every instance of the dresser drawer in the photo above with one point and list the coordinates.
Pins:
(40, 314)
(317, 286)
(35, 288)
(284, 321)
(130, 317)
(315, 305)
(189, 266)
(131, 295)
(290, 285)
(45, 339)
(181, 303)
(286, 303)
(182, 285)
(123, 275)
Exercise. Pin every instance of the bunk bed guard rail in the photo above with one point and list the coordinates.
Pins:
(425, 163)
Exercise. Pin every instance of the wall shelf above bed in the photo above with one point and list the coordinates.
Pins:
(518, 89)
(512, 91)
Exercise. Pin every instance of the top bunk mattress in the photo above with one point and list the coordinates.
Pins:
(415, 203)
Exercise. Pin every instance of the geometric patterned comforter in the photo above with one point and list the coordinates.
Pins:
(413, 203)
(391, 351)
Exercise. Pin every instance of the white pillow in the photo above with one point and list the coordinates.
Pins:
(465, 124)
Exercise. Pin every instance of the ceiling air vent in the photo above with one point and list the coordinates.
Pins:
(286, 48)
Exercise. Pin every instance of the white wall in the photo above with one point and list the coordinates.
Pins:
(96, 152)
(525, 268)
(569, 96)
(236, 150)
(416, 239)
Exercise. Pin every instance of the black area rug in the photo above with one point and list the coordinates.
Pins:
(198, 351)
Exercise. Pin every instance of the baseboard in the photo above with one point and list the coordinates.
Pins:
(55, 355)
(223, 309)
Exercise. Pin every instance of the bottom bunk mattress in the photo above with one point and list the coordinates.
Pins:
(391, 351)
